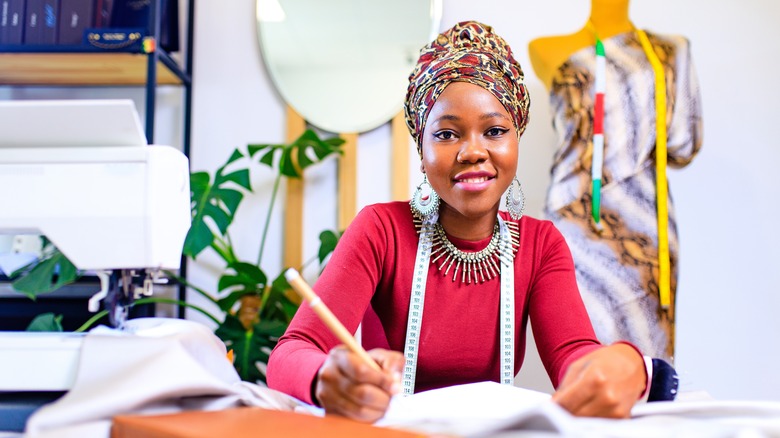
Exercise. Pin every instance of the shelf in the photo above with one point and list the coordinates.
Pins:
(104, 68)
(141, 64)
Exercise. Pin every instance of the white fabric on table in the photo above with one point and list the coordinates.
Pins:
(155, 366)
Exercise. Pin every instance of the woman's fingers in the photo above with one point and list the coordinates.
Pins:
(348, 402)
(392, 363)
(348, 386)
(590, 395)
(574, 393)
(604, 383)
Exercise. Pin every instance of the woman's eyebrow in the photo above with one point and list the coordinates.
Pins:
(490, 115)
(450, 117)
(493, 114)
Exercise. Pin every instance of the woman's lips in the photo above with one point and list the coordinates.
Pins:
(474, 182)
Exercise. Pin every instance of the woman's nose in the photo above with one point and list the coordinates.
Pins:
(472, 151)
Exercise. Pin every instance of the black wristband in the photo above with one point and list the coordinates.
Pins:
(664, 384)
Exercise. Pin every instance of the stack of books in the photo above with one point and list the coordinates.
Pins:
(71, 22)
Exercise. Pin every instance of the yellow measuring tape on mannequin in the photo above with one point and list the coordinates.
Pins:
(664, 275)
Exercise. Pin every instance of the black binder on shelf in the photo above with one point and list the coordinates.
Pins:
(40, 24)
(103, 13)
(11, 21)
(75, 17)
(137, 14)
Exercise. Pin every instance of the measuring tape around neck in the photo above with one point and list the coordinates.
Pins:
(417, 300)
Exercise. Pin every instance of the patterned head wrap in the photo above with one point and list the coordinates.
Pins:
(468, 52)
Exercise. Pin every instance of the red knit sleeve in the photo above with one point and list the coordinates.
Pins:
(346, 287)
(561, 326)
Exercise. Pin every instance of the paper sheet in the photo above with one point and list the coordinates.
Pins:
(489, 409)
(477, 409)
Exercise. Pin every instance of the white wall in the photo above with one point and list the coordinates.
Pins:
(726, 199)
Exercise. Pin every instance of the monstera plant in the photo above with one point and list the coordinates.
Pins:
(256, 310)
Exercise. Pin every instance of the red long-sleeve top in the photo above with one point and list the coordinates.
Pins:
(369, 278)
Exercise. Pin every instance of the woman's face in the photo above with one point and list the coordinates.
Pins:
(469, 150)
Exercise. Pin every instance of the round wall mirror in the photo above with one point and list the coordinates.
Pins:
(344, 64)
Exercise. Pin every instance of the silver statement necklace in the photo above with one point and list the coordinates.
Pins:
(497, 259)
(474, 267)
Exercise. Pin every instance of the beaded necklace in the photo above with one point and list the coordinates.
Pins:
(664, 269)
(474, 267)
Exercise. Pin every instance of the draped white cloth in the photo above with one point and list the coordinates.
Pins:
(155, 366)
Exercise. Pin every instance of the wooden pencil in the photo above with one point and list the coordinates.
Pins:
(327, 317)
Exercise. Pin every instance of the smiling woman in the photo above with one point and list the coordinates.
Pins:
(481, 273)
(343, 64)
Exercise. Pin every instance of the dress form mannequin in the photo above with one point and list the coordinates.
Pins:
(618, 261)
(609, 17)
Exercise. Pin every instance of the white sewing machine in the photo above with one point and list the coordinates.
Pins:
(80, 173)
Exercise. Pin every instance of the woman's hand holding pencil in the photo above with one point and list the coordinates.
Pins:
(352, 382)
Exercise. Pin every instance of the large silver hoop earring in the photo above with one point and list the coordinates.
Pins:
(424, 206)
(515, 200)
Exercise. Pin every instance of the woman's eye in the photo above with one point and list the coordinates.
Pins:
(495, 132)
(444, 135)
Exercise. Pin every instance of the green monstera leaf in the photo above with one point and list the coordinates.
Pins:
(240, 279)
(46, 322)
(46, 275)
(214, 204)
(328, 241)
(250, 346)
(277, 304)
(283, 154)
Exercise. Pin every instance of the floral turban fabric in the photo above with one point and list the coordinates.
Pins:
(468, 52)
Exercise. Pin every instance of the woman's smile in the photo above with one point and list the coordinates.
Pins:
(474, 181)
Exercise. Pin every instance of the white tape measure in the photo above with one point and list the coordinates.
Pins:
(506, 309)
